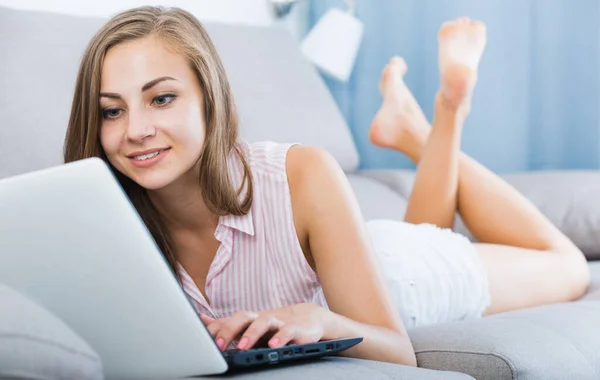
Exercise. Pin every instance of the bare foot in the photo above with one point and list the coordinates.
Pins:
(461, 44)
(400, 123)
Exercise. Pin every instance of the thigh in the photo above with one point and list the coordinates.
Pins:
(521, 278)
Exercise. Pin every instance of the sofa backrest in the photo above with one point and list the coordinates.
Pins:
(280, 96)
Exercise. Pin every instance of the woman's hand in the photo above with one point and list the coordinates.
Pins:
(300, 324)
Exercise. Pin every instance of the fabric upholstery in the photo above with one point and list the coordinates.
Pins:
(376, 200)
(34, 344)
(593, 293)
(552, 342)
(337, 368)
(279, 94)
(40, 57)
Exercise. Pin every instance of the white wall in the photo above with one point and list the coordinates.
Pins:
(254, 12)
(248, 12)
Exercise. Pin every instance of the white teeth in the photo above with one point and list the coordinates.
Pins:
(147, 156)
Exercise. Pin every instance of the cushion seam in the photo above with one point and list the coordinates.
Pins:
(501, 357)
(49, 342)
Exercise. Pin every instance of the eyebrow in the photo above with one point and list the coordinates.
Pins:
(145, 87)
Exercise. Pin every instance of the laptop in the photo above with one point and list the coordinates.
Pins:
(71, 240)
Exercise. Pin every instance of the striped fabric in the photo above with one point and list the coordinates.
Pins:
(259, 264)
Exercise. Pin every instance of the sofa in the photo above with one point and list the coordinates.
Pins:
(281, 97)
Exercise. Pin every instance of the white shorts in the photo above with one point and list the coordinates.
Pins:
(434, 275)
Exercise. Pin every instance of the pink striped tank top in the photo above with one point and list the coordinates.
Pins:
(259, 264)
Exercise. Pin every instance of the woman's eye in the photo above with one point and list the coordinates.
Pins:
(162, 100)
(111, 113)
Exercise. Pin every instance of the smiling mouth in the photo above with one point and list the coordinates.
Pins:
(144, 157)
(147, 156)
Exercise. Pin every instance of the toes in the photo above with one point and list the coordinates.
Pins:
(400, 64)
(397, 65)
(447, 29)
(478, 27)
(387, 73)
(464, 26)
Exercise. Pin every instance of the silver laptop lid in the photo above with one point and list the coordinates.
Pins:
(71, 240)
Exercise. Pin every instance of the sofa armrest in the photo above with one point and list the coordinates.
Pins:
(569, 199)
(559, 341)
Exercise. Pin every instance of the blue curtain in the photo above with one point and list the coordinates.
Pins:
(536, 105)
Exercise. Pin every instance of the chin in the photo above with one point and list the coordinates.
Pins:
(154, 182)
(157, 177)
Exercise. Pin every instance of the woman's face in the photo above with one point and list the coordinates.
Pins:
(152, 116)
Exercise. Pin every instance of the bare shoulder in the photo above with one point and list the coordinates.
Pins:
(319, 188)
(309, 164)
(314, 177)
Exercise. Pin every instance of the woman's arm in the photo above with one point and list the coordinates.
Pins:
(325, 207)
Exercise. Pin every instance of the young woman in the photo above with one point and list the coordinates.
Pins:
(268, 240)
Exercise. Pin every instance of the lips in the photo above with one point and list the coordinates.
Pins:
(146, 152)
(147, 160)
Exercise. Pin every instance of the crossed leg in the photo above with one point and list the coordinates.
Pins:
(528, 261)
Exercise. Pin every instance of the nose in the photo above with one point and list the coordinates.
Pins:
(139, 127)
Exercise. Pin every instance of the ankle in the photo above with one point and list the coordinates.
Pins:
(453, 114)
(443, 105)
(415, 154)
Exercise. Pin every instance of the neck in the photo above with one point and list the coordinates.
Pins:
(182, 206)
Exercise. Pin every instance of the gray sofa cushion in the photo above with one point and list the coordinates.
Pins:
(38, 65)
(568, 198)
(594, 289)
(280, 96)
(376, 200)
(553, 342)
(335, 368)
(34, 344)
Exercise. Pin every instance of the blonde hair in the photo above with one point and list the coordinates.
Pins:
(183, 33)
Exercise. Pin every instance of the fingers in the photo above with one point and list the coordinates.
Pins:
(233, 326)
(283, 336)
(262, 325)
(294, 334)
(294, 326)
(206, 319)
(214, 327)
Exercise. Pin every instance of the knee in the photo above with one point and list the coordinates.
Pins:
(577, 273)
